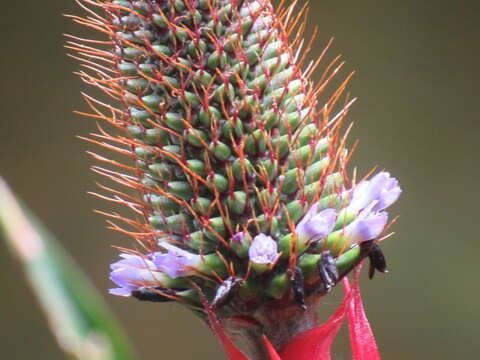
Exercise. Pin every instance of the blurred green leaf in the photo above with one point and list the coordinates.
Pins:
(78, 317)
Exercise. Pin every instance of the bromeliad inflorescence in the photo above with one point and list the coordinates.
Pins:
(244, 207)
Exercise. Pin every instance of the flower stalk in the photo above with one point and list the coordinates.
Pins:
(245, 211)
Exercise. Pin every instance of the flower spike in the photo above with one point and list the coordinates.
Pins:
(236, 174)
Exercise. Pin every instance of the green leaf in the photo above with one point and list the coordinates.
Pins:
(78, 317)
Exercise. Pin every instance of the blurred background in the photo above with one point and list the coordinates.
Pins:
(417, 81)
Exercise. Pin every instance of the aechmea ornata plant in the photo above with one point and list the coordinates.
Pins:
(243, 210)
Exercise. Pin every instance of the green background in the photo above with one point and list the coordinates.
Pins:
(417, 81)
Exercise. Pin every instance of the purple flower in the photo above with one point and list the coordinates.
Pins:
(240, 242)
(368, 225)
(263, 250)
(381, 188)
(130, 273)
(176, 262)
(238, 238)
(315, 225)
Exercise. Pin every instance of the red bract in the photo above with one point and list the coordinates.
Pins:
(230, 349)
(363, 342)
(271, 350)
(316, 343)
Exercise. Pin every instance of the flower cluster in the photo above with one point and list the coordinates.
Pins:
(367, 200)
(244, 202)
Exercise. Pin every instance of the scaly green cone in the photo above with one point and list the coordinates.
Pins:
(230, 150)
